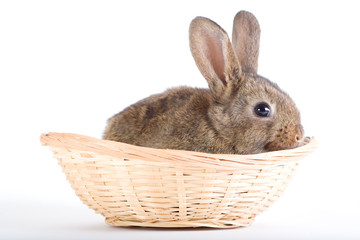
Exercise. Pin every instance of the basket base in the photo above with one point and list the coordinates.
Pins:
(211, 223)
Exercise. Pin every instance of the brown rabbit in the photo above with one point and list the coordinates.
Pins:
(241, 113)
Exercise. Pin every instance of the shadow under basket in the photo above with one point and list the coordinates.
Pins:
(138, 186)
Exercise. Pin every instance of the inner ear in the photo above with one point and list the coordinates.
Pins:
(215, 55)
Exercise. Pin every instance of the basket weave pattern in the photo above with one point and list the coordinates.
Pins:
(137, 186)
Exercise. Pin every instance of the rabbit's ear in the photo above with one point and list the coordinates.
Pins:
(246, 40)
(213, 54)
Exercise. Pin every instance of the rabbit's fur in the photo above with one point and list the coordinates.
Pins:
(221, 119)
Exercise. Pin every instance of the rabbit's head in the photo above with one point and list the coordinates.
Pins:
(250, 112)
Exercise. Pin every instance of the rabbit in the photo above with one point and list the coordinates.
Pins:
(240, 113)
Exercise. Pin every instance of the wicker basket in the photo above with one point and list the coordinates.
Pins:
(137, 186)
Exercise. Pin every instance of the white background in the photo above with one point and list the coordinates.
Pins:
(67, 66)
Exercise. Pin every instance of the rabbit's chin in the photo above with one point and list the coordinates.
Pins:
(282, 144)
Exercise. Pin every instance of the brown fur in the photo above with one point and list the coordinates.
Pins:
(220, 119)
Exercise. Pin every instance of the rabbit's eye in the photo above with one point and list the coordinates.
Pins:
(262, 110)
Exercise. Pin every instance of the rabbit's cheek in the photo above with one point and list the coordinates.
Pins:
(286, 138)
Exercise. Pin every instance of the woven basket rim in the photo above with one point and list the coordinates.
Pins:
(116, 149)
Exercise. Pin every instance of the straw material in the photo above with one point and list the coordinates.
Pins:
(138, 186)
